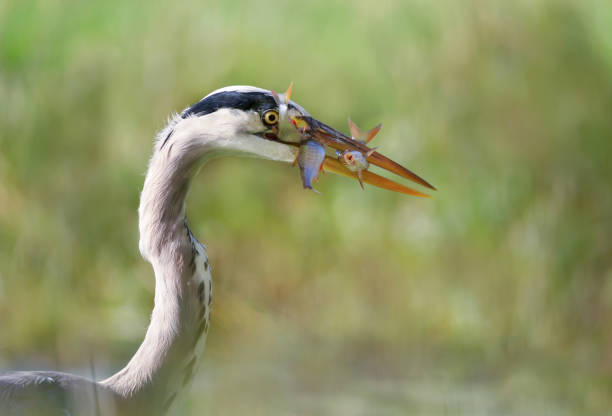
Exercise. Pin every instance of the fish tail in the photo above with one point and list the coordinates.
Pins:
(309, 175)
(360, 179)
(364, 136)
(288, 92)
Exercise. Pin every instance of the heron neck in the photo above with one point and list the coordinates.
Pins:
(167, 358)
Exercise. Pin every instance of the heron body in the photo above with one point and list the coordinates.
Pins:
(234, 120)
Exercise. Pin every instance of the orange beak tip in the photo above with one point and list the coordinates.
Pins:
(333, 165)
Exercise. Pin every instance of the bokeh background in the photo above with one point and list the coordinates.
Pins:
(494, 297)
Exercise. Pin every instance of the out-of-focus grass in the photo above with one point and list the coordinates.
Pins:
(492, 298)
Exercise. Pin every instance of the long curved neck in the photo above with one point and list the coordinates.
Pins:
(167, 358)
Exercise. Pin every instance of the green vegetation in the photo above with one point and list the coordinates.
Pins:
(494, 297)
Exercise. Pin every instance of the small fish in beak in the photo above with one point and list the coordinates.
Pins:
(327, 136)
(285, 127)
(353, 155)
(355, 160)
(311, 154)
(310, 158)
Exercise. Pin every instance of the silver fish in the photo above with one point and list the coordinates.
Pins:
(309, 159)
(355, 160)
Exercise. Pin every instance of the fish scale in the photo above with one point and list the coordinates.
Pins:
(310, 158)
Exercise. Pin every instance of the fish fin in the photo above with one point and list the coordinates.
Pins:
(356, 132)
(364, 136)
(311, 188)
(360, 180)
(370, 134)
(371, 152)
(288, 92)
(295, 162)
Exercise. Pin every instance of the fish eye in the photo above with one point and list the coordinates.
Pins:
(270, 117)
(349, 157)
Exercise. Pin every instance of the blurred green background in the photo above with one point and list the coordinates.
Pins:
(494, 297)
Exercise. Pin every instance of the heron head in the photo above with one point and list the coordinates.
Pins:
(251, 121)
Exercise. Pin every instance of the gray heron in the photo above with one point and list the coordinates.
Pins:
(237, 120)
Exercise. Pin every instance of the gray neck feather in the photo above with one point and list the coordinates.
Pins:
(155, 372)
(175, 338)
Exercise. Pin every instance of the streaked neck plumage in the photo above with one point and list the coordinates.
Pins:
(167, 359)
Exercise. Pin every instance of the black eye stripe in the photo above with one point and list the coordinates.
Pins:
(251, 100)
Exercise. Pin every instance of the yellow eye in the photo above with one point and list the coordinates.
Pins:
(270, 117)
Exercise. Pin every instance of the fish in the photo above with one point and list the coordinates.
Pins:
(310, 158)
(313, 137)
(355, 160)
(311, 154)
(286, 127)
(335, 139)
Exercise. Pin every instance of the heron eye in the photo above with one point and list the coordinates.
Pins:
(270, 117)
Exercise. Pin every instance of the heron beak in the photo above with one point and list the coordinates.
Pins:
(328, 136)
